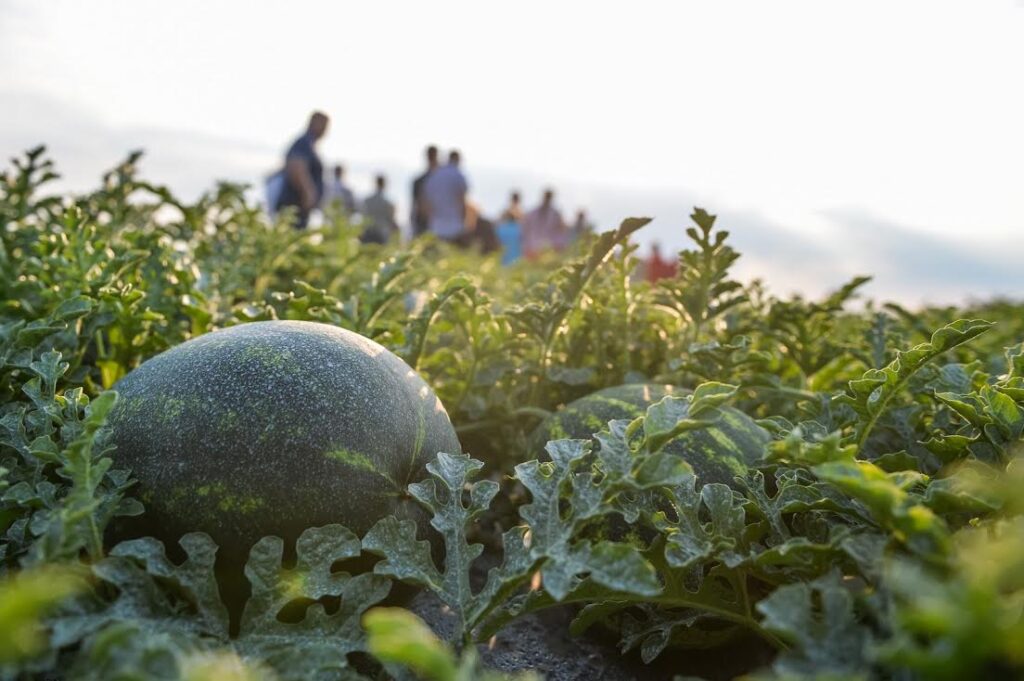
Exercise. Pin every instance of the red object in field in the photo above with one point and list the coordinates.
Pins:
(657, 267)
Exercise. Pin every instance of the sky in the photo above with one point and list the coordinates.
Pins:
(832, 138)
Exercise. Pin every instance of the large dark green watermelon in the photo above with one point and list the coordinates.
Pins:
(717, 453)
(272, 427)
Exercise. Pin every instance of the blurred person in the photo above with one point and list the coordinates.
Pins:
(304, 172)
(337, 192)
(379, 214)
(581, 227)
(273, 185)
(514, 209)
(478, 230)
(509, 230)
(444, 197)
(419, 219)
(656, 267)
(543, 228)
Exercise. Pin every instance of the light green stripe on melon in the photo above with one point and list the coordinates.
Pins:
(358, 461)
(728, 444)
(353, 459)
(736, 419)
(628, 407)
(421, 435)
(131, 405)
(556, 431)
(748, 438)
(226, 500)
(228, 420)
(595, 423)
(268, 356)
(171, 409)
(243, 505)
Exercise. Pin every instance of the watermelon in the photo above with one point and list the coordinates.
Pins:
(718, 453)
(272, 427)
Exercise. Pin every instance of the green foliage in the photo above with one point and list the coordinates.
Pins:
(61, 490)
(829, 641)
(702, 291)
(879, 535)
(163, 613)
(550, 544)
(869, 396)
(24, 600)
(409, 559)
(399, 637)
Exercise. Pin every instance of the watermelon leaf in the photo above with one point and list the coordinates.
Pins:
(549, 540)
(826, 639)
(406, 558)
(870, 395)
(168, 613)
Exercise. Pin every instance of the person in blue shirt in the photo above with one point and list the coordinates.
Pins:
(509, 231)
(304, 172)
(444, 197)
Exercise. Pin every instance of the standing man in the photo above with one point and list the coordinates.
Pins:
(444, 194)
(514, 211)
(380, 215)
(581, 227)
(338, 192)
(419, 219)
(543, 228)
(304, 172)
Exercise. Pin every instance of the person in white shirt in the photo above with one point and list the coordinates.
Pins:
(337, 192)
(543, 228)
(444, 197)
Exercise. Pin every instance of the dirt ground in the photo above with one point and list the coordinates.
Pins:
(542, 642)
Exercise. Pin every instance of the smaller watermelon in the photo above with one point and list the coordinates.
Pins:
(717, 453)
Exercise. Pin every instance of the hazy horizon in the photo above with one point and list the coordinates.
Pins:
(864, 138)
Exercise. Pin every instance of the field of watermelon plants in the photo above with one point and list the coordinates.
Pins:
(693, 479)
